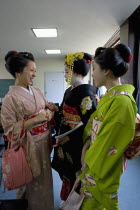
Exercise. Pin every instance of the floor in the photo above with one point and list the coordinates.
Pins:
(129, 192)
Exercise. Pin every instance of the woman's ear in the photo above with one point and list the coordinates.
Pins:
(17, 75)
(107, 72)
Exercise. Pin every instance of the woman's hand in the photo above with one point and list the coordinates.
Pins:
(62, 140)
(42, 117)
(52, 107)
(49, 115)
(97, 98)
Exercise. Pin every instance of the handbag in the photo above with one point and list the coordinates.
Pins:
(75, 199)
(15, 169)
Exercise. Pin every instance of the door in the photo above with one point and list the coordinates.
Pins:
(54, 86)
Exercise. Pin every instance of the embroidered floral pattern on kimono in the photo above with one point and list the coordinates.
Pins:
(112, 151)
(60, 153)
(89, 180)
(69, 158)
(114, 196)
(87, 194)
(86, 104)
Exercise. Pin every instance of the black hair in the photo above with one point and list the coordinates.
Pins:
(116, 59)
(82, 66)
(17, 61)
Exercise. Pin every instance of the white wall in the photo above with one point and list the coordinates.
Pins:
(47, 65)
(43, 65)
(3, 72)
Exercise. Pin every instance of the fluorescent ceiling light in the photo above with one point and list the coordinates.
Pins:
(45, 32)
(53, 51)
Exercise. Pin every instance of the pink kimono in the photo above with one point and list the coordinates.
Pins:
(18, 106)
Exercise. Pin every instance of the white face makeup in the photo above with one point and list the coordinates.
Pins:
(66, 70)
(76, 80)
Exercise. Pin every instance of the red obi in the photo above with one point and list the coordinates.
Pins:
(71, 116)
(70, 109)
(39, 128)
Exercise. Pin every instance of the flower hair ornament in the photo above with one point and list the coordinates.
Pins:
(70, 59)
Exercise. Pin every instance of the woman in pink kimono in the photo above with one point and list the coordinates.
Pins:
(25, 118)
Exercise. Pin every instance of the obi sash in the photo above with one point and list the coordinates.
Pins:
(38, 128)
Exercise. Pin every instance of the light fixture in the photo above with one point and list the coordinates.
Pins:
(53, 51)
(52, 32)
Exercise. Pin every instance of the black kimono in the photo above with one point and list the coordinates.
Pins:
(78, 104)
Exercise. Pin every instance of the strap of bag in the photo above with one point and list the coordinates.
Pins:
(10, 139)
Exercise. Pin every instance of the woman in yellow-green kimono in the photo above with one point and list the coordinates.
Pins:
(109, 130)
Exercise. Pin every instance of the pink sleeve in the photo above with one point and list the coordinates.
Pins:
(13, 127)
(40, 92)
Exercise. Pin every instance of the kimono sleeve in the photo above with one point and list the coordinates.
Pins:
(13, 127)
(58, 115)
(115, 133)
(85, 109)
(40, 92)
(87, 106)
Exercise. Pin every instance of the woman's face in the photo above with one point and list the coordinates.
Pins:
(28, 74)
(98, 75)
(74, 79)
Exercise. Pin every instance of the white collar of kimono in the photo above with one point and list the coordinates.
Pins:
(29, 91)
(76, 80)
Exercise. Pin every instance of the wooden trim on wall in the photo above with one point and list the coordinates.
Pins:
(130, 35)
(114, 39)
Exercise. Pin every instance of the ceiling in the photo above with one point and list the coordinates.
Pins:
(83, 25)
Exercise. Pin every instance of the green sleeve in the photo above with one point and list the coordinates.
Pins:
(115, 133)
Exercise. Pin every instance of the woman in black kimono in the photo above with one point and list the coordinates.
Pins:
(77, 106)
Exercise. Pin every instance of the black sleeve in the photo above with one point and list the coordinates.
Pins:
(58, 115)
(84, 116)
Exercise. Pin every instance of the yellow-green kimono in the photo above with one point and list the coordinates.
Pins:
(111, 127)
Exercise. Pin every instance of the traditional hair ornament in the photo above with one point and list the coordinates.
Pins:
(15, 52)
(130, 56)
(70, 59)
(89, 61)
